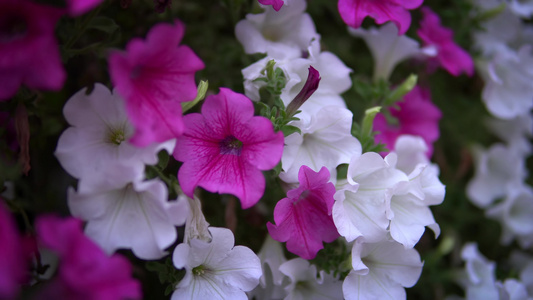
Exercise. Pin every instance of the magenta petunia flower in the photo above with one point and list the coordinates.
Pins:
(154, 76)
(79, 7)
(303, 219)
(29, 53)
(416, 115)
(353, 12)
(449, 55)
(85, 271)
(225, 148)
(14, 261)
(276, 4)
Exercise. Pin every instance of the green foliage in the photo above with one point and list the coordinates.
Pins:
(168, 275)
(335, 259)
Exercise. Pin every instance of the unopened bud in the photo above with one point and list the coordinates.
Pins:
(310, 86)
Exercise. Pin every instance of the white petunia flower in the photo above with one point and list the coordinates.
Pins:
(361, 204)
(98, 138)
(508, 91)
(325, 140)
(125, 212)
(272, 282)
(388, 48)
(497, 169)
(409, 212)
(523, 8)
(381, 271)
(515, 132)
(281, 34)
(216, 269)
(515, 214)
(306, 284)
(480, 275)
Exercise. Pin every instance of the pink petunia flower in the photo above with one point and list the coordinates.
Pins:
(276, 4)
(353, 12)
(79, 7)
(85, 271)
(13, 257)
(303, 219)
(24, 27)
(225, 148)
(416, 115)
(449, 55)
(154, 76)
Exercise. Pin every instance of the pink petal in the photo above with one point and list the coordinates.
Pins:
(276, 4)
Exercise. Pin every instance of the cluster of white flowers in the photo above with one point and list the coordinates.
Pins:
(479, 277)
(507, 69)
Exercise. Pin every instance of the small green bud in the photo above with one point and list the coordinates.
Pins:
(202, 90)
(404, 88)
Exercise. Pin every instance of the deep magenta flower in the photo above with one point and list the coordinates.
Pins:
(449, 55)
(85, 271)
(29, 53)
(79, 7)
(415, 115)
(276, 4)
(353, 12)
(154, 76)
(13, 257)
(225, 148)
(303, 219)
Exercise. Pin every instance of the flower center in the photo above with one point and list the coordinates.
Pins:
(198, 271)
(231, 145)
(116, 136)
(12, 28)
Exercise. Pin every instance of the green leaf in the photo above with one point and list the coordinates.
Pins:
(104, 24)
(289, 129)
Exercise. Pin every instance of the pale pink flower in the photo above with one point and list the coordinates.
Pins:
(85, 271)
(225, 148)
(154, 76)
(276, 4)
(13, 258)
(29, 53)
(353, 12)
(416, 115)
(303, 219)
(449, 55)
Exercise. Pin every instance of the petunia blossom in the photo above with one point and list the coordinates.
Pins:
(13, 258)
(276, 4)
(125, 212)
(85, 271)
(303, 219)
(154, 76)
(381, 270)
(415, 115)
(449, 55)
(217, 269)
(98, 138)
(353, 12)
(79, 7)
(24, 27)
(225, 148)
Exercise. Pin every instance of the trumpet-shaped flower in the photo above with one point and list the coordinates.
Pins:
(225, 148)
(415, 115)
(325, 141)
(85, 271)
(216, 269)
(270, 284)
(283, 34)
(98, 138)
(154, 76)
(24, 27)
(303, 219)
(449, 55)
(307, 283)
(387, 48)
(125, 212)
(353, 12)
(381, 271)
